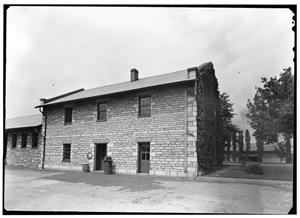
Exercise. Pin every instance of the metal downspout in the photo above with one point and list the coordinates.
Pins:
(44, 145)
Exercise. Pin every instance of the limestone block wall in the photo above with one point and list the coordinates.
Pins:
(191, 133)
(28, 157)
(166, 130)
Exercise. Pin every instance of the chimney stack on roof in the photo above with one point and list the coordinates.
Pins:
(43, 100)
(134, 76)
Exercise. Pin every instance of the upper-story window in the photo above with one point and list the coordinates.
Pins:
(102, 111)
(14, 140)
(145, 106)
(68, 114)
(35, 138)
(24, 140)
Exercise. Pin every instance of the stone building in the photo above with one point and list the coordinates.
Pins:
(23, 141)
(146, 125)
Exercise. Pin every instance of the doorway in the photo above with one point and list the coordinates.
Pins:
(100, 153)
(144, 157)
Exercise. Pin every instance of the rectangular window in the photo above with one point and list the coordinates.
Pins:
(68, 114)
(14, 141)
(67, 153)
(145, 106)
(145, 150)
(35, 138)
(102, 111)
(24, 140)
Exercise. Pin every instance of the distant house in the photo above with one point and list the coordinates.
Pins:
(23, 141)
(269, 153)
(146, 125)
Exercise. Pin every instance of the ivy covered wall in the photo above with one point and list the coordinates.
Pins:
(209, 146)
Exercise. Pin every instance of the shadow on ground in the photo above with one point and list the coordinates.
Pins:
(127, 182)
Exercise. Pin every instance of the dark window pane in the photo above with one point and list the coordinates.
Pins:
(68, 114)
(144, 147)
(14, 141)
(148, 156)
(145, 110)
(102, 106)
(102, 112)
(102, 116)
(145, 101)
(145, 106)
(143, 156)
(66, 152)
(35, 138)
(24, 141)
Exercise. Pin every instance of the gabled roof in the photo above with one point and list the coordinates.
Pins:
(23, 122)
(169, 78)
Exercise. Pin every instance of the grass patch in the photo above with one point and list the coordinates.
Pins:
(271, 172)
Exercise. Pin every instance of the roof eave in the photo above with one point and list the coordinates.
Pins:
(113, 93)
(23, 127)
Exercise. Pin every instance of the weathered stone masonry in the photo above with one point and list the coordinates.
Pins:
(171, 126)
(29, 157)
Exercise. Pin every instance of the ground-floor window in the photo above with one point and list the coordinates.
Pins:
(35, 137)
(24, 140)
(66, 153)
(14, 140)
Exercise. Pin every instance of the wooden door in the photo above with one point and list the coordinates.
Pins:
(100, 154)
(144, 157)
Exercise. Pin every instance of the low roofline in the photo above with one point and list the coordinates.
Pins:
(28, 121)
(114, 93)
(23, 127)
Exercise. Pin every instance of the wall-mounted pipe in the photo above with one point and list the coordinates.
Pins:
(44, 137)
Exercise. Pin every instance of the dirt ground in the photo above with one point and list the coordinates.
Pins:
(34, 190)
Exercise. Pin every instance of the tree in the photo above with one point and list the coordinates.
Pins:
(234, 141)
(259, 146)
(241, 146)
(226, 110)
(228, 145)
(226, 115)
(286, 116)
(271, 112)
(247, 141)
(280, 151)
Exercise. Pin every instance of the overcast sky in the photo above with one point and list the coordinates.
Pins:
(53, 50)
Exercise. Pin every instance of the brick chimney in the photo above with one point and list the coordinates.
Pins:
(43, 100)
(134, 76)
